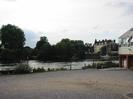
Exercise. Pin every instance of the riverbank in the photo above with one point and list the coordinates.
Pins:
(78, 84)
(56, 65)
(26, 68)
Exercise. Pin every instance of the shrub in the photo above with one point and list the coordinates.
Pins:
(35, 70)
(110, 64)
(60, 69)
(23, 69)
(101, 65)
(63, 69)
(51, 69)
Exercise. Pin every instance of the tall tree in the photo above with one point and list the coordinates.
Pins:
(43, 49)
(12, 40)
(65, 49)
(12, 37)
(43, 41)
(71, 49)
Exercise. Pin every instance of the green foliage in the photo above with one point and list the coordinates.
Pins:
(13, 40)
(12, 37)
(60, 69)
(39, 70)
(7, 54)
(51, 69)
(57, 69)
(70, 49)
(27, 53)
(36, 70)
(44, 53)
(110, 64)
(102, 65)
(0, 35)
(64, 50)
(42, 42)
(43, 49)
(23, 69)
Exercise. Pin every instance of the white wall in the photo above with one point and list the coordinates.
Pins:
(126, 50)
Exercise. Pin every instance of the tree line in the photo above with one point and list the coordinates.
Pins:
(12, 47)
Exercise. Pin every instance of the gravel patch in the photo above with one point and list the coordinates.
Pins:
(78, 84)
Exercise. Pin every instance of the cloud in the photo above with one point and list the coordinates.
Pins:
(74, 19)
(10, 0)
(31, 38)
(125, 5)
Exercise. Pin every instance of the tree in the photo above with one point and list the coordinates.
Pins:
(0, 36)
(71, 49)
(12, 41)
(79, 48)
(27, 53)
(12, 37)
(64, 49)
(43, 41)
(43, 49)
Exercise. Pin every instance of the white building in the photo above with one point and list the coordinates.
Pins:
(126, 49)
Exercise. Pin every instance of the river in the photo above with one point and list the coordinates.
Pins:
(46, 65)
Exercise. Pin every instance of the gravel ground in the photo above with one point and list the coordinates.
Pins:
(78, 84)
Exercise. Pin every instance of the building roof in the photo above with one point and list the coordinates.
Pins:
(128, 34)
(103, 42)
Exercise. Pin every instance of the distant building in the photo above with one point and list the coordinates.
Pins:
(126, 49)
(106, 48)
(98, 45)
(101, 43)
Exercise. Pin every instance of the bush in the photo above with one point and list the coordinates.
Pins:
(51, 69)
(56, 69)
(23, 69)
(107, 65)
(60, 69)
(110, 64)
(101, 65)
(63, 69)
(36, 70)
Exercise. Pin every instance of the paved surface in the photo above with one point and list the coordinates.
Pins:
(78, 84)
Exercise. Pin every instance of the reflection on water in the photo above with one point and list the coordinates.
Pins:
(75, 65)
(46, 65)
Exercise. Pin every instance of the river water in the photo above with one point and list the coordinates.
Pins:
(74, 65)
(46, 65)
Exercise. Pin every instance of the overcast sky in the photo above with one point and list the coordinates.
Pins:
(75, 19)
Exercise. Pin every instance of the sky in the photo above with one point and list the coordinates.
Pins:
(85, 20)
